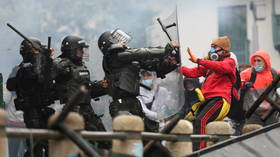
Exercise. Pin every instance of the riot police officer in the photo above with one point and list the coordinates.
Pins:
(34, 91)
(122, 66)
(71, 73)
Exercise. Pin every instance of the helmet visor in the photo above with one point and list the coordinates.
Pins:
(84, 47)
(86, 54)
(121, 36)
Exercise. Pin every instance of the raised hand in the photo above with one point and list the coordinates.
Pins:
(192, 57)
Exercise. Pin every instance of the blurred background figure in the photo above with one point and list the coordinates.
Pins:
(244, 66)
(153, 99)
(17, 146)
(191, 86)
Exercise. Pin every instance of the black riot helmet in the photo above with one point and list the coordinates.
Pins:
(70, 45)
(113, 39)
(26, 49)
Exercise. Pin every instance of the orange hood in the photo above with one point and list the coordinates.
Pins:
(263, 78)
(265, 56)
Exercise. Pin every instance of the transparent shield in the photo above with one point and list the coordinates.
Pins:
(173, 82)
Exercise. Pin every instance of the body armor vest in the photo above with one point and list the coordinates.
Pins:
(71, 79)
(31, 92)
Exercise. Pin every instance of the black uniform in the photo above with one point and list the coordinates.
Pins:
(34, 92)
(69, 78)
(70, 73)
(122, 66)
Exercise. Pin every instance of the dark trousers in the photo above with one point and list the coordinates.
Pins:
(207, 113)
(92, 123)
(150, 125)
(37, 118)
(130, 104)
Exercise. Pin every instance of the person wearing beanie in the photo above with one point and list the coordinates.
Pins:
(222, 42)
(219, 71)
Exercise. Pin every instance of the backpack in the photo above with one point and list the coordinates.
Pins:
(237, 112)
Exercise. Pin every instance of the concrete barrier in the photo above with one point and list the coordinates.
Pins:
(3, 137)
(181, 148)
(218, 128)
(64, 146)
(128, 123)
(250, 127)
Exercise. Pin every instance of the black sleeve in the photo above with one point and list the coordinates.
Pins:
(137, 54)
(164, 68)
(25, 71)
(160, 65)
(38, 66)
(60, 67)
(97, 90)
(153, 58)
(42, 67)
(11, 84)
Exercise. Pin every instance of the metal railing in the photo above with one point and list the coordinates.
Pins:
(107, 136)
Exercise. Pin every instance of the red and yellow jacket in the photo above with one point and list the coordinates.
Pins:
(220, 76)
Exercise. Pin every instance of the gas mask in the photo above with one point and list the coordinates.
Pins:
(214, 54)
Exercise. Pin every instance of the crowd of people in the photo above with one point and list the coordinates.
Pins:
(130, 79)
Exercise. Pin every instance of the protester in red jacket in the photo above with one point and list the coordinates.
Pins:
(219, 71)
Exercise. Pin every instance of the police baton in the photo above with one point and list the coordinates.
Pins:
(164, 28)
(33, 44)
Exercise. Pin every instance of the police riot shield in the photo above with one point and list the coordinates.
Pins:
(160, 34)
